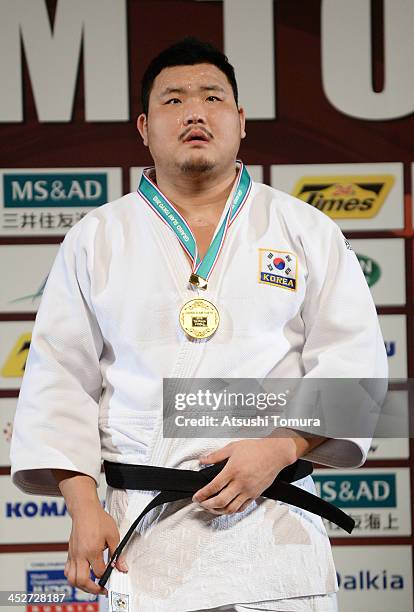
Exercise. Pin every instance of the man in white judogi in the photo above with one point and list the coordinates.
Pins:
(108, 331)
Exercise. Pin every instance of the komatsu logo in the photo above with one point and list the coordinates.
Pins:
(346, 196)
(32, 509)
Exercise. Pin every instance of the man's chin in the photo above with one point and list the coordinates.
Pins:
(196, 166)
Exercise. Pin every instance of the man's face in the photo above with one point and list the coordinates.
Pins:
(193, 123)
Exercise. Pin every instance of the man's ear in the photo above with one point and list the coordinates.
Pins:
(142, 127)
(242, 117)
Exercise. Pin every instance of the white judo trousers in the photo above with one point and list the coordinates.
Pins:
(109, 320)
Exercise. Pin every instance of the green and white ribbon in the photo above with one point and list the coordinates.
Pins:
(167, 212)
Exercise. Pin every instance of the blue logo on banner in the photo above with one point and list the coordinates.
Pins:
(390, 348)
(358, 491)
(366, 580)
(48, 581)
(32, 509)
(55, 190)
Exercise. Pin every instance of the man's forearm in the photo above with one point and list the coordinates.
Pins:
(305, 445)
(78, 489)
(298, 445)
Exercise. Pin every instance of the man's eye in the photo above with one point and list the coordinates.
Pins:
(173, 101)
(213, 99)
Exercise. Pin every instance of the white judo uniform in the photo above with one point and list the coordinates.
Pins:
(106, 334)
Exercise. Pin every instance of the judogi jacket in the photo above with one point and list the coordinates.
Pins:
(107, 333)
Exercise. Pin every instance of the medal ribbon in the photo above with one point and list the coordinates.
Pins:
(167, 212)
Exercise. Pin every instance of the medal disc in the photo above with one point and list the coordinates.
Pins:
(199, 318)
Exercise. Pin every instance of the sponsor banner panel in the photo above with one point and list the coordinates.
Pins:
(389, 448)
(395, 406)
(7, 410)
(15, 339)
(356, 196)
(256, 172)
(383, 263)
(378, 499)
(374, 578)
(49, 201)
(25, 268)
(34, 518)
(394, 331)
(42, 573)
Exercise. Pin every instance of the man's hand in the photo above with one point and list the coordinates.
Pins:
(251, 468)
(93, 530)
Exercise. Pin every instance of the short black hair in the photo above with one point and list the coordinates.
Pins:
(186, 52)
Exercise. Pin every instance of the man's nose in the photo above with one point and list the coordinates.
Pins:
(193, 115)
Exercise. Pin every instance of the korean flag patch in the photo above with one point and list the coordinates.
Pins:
(278, 268)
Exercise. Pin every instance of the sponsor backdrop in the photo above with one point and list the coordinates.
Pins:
(32, 517)
(328, 91)
(373, 578)
(42, 573)
(377, 499)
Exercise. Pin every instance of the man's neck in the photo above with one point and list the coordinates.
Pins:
(202, 197)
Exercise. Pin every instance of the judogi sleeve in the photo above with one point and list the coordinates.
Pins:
(56, 422)
(343, 337)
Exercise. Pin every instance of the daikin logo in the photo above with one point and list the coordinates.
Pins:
(55, 189)
(367, 580)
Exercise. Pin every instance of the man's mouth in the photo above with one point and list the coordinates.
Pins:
(196, 136)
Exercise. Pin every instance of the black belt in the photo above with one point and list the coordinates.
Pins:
(177, 484)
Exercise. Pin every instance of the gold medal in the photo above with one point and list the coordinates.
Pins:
(199, 318)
